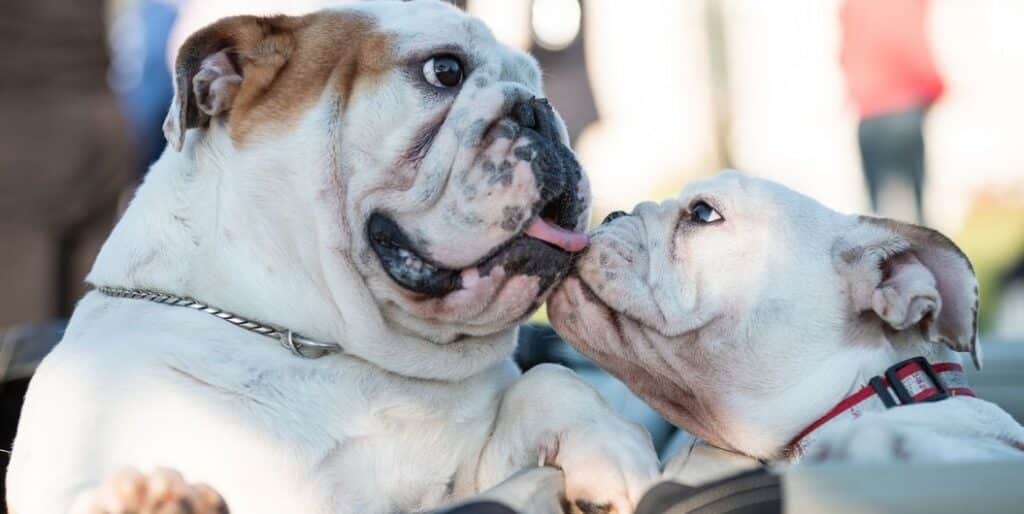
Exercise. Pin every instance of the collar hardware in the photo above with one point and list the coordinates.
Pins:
(905, 397)
(882, 390)
(298, 345)
(908, 382)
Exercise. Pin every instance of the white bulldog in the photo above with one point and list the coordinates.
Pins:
(382, 190)
(764, 323)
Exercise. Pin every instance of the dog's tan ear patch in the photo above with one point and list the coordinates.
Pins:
(213, 63)
(912, 276)
(266, 71)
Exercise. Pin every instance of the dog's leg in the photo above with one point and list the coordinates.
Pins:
(550, 416)
(163, 491)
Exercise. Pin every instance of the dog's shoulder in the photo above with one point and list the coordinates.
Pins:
(967, 415)
(958, 429)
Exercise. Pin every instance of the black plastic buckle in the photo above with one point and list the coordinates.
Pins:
(902, 394)
(882, 391)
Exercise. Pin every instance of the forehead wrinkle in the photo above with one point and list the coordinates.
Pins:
(418, 24)
(453, 28)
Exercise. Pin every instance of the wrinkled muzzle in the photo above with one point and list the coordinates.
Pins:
(515, 199)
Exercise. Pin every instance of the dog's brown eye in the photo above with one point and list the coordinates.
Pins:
(701, 212)
(443, 71)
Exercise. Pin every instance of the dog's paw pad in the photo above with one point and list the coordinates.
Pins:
(164, 491)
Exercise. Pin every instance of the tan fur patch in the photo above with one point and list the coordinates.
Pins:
(286, 63)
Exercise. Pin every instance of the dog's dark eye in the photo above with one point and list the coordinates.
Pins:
(701, 212)
(443, 71)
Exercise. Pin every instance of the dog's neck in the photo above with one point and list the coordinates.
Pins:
(923, 373)
(872, 355)
(194, 230)
(769, 421)
(238, 237)
(886, 350)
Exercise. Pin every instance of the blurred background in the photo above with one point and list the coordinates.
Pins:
(909, 108)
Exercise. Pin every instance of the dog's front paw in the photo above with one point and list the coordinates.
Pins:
(163, 491)
(552, 416)
(606, 469)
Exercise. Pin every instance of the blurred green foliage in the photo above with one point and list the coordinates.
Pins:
(993, 238)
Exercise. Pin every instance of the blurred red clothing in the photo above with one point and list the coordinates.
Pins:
(886, 57)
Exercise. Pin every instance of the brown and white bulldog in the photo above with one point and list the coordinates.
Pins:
(384, 190)
(766, 323)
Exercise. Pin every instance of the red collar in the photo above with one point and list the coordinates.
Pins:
(911, 381)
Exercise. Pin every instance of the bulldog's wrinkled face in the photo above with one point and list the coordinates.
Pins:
(741, 310)
(478, 203)
(442, 176)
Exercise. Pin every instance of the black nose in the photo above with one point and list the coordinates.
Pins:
(555, 169)
(522, 113)
(613, 216)
(536, 114)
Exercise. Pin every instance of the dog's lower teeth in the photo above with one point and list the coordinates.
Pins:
(414, 264)
(410, 261)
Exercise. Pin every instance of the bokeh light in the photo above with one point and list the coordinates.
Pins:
(555, 23)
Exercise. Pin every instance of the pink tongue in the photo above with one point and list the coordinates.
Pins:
(565, 239)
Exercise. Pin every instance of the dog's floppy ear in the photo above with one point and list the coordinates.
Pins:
(215, 63)
(912, 277)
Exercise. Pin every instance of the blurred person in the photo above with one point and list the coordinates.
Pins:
(140, 73)
(892, 78)
(65, 154)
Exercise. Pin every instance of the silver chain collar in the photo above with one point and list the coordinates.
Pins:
(297, 344)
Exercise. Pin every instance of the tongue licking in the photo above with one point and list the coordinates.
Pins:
(553, 234)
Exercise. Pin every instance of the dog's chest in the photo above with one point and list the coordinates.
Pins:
(397, 456)
(404, 463)
(365, 441)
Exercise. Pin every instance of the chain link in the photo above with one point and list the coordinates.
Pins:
(299, 345)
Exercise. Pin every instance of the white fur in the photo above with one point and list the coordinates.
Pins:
(747, 330)
(418, 412)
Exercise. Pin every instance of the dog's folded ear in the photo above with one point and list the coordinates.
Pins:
(911, 277)
(218, 62)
